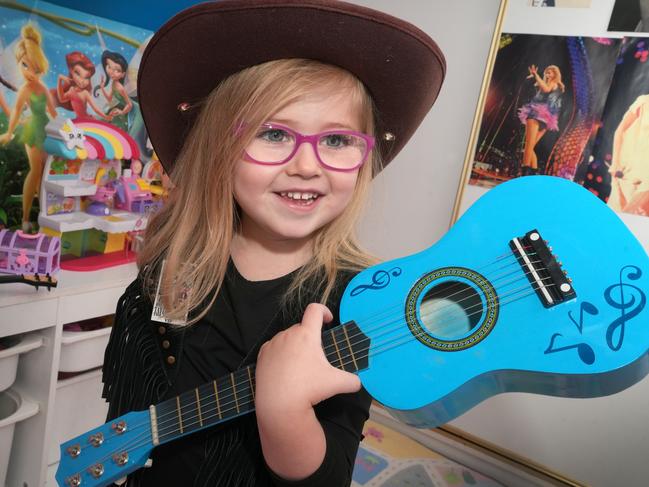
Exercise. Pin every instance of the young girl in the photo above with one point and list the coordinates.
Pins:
(33, 95)
(271, 155)
(541, 113)
(74, 91)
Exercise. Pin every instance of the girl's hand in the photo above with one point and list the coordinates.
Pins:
(5, 138)
(533, 70)
(293, 372)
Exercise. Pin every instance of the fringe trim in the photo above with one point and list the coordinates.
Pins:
(133, 372)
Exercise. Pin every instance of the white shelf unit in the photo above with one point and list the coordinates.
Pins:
(79, 296)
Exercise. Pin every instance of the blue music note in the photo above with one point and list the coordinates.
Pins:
(585, 351)
(625, 304)
(585, 307)
(380, 279)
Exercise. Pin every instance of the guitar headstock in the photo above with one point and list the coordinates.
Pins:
(36, 280)
(106, 454)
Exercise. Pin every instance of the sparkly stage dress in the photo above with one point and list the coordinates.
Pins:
(543, 107)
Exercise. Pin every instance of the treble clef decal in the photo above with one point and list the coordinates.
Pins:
(626, 304)
(380, 279)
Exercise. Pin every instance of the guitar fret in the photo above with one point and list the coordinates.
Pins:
(252, 386)
(349, 345)
(198, 406)
(340, 359)
(218, 404)
(180, 418)
(234, 390)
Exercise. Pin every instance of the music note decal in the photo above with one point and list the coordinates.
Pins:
(615, 331)
(585, 351)
(380, 279)
(630, 300)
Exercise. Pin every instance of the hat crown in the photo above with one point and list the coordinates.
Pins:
(400, 65)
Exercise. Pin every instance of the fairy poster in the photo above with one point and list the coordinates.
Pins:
(58, 64)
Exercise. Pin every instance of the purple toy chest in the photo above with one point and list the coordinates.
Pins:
(23, 253)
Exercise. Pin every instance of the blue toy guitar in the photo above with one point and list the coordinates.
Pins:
(539, 287)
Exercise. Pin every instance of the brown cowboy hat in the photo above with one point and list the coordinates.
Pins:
(400, 65)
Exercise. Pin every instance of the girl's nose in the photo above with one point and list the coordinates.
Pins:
(304, 162)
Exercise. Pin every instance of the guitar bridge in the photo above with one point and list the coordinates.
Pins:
(550, 282)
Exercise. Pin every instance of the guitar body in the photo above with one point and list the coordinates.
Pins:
(469, 317)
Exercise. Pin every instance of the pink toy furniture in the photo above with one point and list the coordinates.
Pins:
(133, 194)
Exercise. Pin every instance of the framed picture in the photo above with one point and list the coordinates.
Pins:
(592, 128)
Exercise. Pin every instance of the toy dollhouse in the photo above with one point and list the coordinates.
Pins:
(89, 201)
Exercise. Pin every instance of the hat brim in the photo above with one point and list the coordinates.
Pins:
(400, 65)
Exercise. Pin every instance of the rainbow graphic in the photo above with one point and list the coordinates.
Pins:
(87, 138)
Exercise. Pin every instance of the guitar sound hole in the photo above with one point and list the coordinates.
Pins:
(450, 310)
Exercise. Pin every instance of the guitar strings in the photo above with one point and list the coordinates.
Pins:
(328, 350)
(325, 350)
(132, 443)
(378, 349)
(331, 347)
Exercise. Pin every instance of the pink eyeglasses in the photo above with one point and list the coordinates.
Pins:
(337, 150)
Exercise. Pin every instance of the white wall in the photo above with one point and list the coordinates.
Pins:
(602, 441)
(413, 197)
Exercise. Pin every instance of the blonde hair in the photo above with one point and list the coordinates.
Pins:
(557, 76)
(192, 233)
(29, 46)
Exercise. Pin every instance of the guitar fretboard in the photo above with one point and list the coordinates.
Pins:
(345, 346)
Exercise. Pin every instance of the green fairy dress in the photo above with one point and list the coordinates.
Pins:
(33, 132)
(131, 122)
(120, 121)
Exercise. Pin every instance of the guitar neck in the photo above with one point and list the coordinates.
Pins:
(10, 278)
(233, 395)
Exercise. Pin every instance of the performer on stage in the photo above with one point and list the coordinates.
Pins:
(540, 114)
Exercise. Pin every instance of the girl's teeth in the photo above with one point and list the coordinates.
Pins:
(299, 196)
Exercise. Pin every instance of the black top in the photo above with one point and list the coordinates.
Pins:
(245, 314)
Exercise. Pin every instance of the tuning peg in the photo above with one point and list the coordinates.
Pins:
(120, 481)
(148, 463)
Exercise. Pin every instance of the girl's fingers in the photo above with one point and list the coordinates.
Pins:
(315, 315)
(347, 382)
